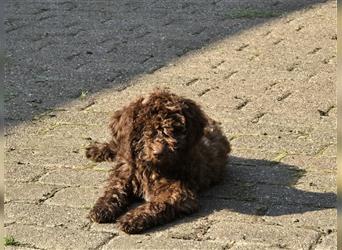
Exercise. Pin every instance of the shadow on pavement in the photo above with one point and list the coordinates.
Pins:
(268, 184)
(59, 51)
(259, 188)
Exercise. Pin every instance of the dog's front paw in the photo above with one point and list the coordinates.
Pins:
(102, 214)
(94, 152)
(132, 224)
(99, 152)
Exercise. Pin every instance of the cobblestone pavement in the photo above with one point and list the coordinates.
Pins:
(264, 69)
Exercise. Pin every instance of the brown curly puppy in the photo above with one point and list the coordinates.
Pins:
(166, 150)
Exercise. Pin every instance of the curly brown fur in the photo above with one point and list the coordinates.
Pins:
(166, 151)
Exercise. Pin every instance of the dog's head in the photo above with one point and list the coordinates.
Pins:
(159, 129)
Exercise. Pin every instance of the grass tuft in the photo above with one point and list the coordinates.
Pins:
(10, 241)
(84, 94)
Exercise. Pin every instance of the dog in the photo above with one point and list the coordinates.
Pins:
(165, 150)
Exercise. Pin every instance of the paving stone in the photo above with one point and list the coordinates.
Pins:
(191, 228)
(23, 172)
(18, 248)
(272, 194)
(309, 163)
(233, 210)
(253, 157)
(331, 151)
(56, 238)
(328, 242)
(253, 212)
(28, 192)
(159, 243)
(289, 195)
(71, 177)
(240, 245)
(324, 133)
(317, 183)
(299, 146)
(47, 216)
(78, 197)
(294, 238)
(301, 216)
(259, 171)
(107, 228)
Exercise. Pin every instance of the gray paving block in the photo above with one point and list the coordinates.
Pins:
(28, 192)
(107, 228)
(159, 243)
(328, 242)
(301, 216)
(313, 182)
(299, 146)
(316, 164)
(295, 238)
(260, 171)
(240, 245)
(77, 197)
(22, 172)
(72, 177)
(18, 248)
(46, 216)
(56, 238)
(290, 195)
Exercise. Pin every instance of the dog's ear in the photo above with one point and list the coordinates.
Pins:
(114, 124)
(120, 126)
(195, 121)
